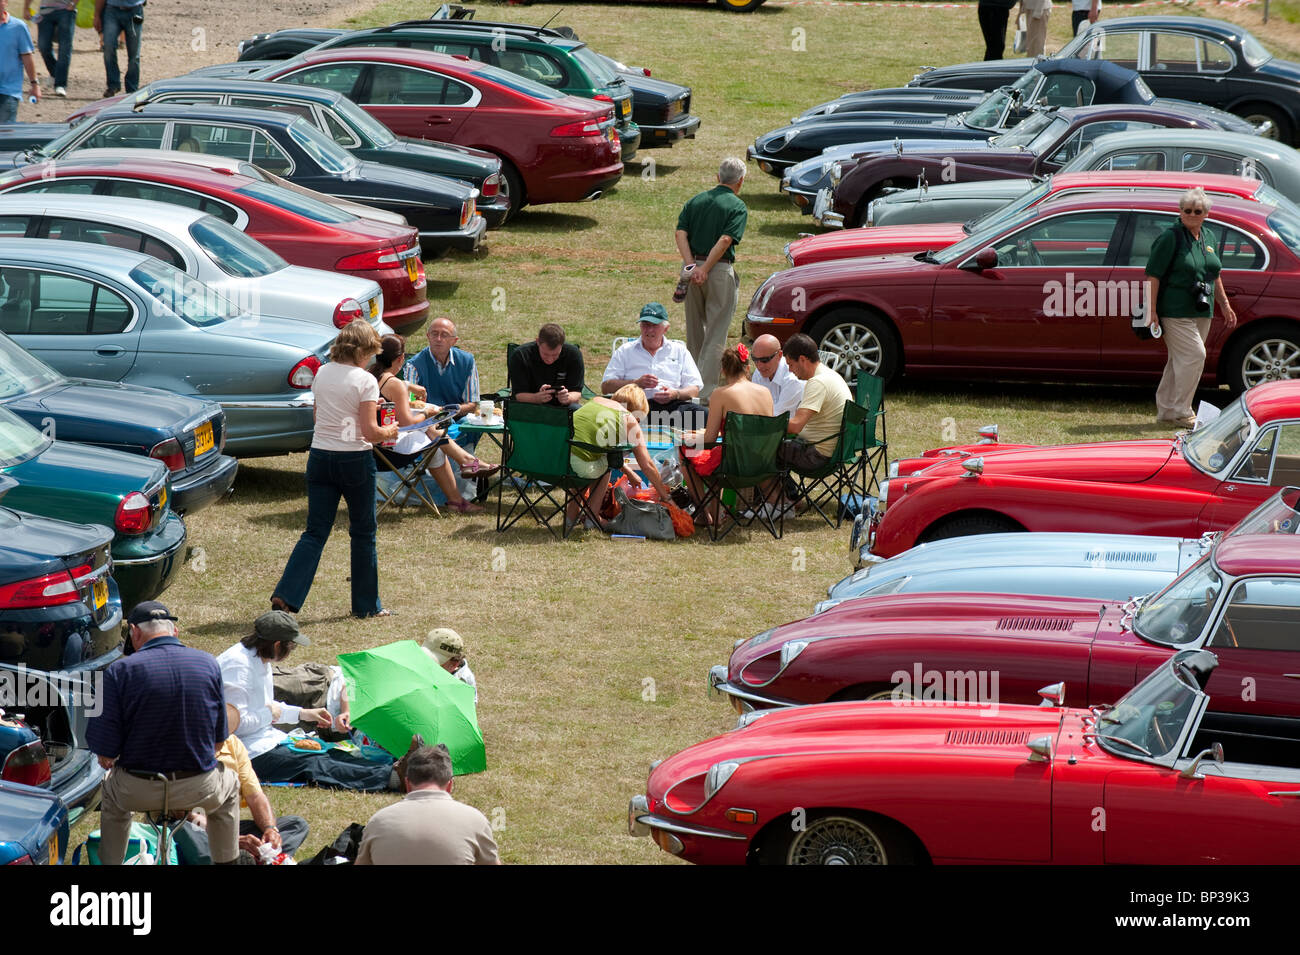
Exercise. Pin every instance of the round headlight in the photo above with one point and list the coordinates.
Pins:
(717, 777)
(791, 650)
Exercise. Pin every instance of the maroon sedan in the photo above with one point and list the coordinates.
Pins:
(305, 229)
(553, 147)
(1047, 295)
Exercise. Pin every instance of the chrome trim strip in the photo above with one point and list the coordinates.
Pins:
(655, 822)
(307, 401)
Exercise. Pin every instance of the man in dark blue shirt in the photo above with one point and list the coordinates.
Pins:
(163, 712)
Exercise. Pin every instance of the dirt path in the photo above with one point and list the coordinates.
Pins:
(179, 36)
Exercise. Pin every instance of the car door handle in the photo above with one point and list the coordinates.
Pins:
(108, 351)
(437, 121)
(1234, 291)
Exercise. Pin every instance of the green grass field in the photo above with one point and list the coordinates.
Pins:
(591, 656)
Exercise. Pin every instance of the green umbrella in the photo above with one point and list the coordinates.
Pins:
(397, 690)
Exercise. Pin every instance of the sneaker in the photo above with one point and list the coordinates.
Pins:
(61, 91)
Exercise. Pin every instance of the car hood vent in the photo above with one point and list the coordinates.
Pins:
(1122, 556)
(1035, 623)
(913, 122)
(986, 737)
(949, 97)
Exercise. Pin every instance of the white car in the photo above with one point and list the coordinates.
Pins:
(234, 265)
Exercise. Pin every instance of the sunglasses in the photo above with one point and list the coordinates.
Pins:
(764, 359)
(1193, 212)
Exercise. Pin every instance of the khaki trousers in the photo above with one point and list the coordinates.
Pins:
(215, 792)
(1184, 340)
(709, 310)
(1036, 34)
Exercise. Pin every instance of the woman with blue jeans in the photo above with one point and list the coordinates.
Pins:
(341, 465)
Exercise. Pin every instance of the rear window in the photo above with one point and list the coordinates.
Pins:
(600, 71)
(235, 253)
(332, 157)
(1286, 224)
(18, 440)
(297, 203)
(186, 297)
(517, 83)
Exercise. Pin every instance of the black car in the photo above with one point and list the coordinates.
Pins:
(348, 124)
(187, 434)
(442, 209)
(662, 109)
(1193, 58)
(1064, 84)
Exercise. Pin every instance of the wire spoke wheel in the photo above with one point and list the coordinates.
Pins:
(837, 840)
(849, 349)
(1273, 359)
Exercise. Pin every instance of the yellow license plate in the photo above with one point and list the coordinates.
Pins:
(162, 497)
(101, 593)
(626, 106)
(54, 844)
(203, 442)
(412, 270)
(374, 307)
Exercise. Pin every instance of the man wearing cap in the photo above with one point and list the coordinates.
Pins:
(448, 651)
(246, 674)
(162, 713)
(709, 227)
(773, 373)
(663, 367)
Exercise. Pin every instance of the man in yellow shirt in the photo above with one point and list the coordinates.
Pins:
(815, 424)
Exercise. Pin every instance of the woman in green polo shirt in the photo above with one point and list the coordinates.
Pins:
(1183, 277)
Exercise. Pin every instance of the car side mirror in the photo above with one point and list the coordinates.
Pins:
(985, 259)
(1193, 771)
(1053, 695)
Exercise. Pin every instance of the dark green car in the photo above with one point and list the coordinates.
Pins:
(129, 493)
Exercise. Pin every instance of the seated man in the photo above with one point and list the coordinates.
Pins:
(815, 425)
(447, 376)
(664, 368)
(773, 373)
(547, 371)
(447, 648)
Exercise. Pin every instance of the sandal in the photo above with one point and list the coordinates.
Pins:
(478, 469)
(464, 507)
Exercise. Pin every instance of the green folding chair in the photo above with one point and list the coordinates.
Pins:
(846, 470)
(535, 467)
(502, 395)
(871, 395)
(749, 446)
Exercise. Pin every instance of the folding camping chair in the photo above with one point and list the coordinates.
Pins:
(846, 469)
(410, 469)
(535, 464)
(749, 446)
(871, 395)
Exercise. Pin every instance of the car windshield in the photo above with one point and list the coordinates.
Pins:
(599, 71)
(1150, 718)
(298, 203)
(1176, 616)
(1212, 448)
(988, 114)
(520, 84)
(372, 129)
(22, 372)
(1044, 127)
(183, 295)
(332, 157)
(1076, 46)
(1286, 223)
(992, 218)
(18, 440)
(1280, 514)
(56, 146)
(977, 240)
(235, 253)
(1254, 53)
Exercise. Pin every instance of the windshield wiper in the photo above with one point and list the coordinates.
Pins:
(1128, 742)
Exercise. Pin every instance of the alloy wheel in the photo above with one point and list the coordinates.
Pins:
(1273, 359)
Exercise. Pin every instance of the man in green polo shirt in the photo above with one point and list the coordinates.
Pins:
(709, 226)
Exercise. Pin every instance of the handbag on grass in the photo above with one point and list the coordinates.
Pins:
(641, 518)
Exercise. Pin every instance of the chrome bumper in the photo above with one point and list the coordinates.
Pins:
(467, 239)
(641, 821)
(822, 211)
(742, 698)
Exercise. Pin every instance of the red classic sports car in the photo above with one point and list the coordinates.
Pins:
(1047, 295)
(1170, 781)
(553, 147)
(910, 239)
(1241, 600)
(1206, 480)
(305, 228)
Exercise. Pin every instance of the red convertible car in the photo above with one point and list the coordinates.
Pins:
(911, 239)
(1170, 781)
(1046, 295)
(553, 147)
(1205, 480)
(1241, 600)
(305, 228)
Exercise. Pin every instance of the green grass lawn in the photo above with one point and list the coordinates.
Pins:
(591, 656)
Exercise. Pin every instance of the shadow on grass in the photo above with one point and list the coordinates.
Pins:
(436, 290)
(269, 484)
(661, 168)
(1024, 391)
(768, 201)
(782, 230)
(551, 222)
(1118, 432)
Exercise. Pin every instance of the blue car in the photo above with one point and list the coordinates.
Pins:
(33, 826)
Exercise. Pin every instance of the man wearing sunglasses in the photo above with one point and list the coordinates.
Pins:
(773, 373)
(1183, 282)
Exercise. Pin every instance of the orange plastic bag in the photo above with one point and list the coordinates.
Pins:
(683, 523)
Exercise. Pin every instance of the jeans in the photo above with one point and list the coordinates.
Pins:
(57, 25)
(122, 20)
(332, 475)
(331, 769)
(8, 109)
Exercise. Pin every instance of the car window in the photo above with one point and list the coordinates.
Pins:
(160, 250)
(133, 240)
(79, 187)
(298, 203)
(20, 371)
(185, 297)
(125, 135)
(599, 71)
(1260, 615)
(270, 156)
(279, 105)
(1275, 458)
(1089, 132)
(449, 47)
(1256, 465)
(233, 252)
(45, 303)
(1237, 250)
(1179, 53)
(233, 142)
(156, 192)
(340, 77)
(19, 441)
(14, 227)
(1120, 48)
(540, 67)
(189, 98)
(1071, 241)
(337, 131)
(1146, 160)
(1067, 89)
(331, 157)
(400, 86)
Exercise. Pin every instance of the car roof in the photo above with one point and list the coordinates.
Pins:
(1258, 554)
(1209, 138)
(1210, 27)
(87, 255)
(486, 31)
(1273, 401)
(1156, 199)
(167, 216)
(390, 54)
(202, 111)
(217, 84)
(1156, 179)
(168, 157)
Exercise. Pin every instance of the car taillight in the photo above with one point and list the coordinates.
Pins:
(585, 127)
(134, 514)
(22, 860)
(603, 98)
(170, 453)
(304, 373)
(348, 310)
(29, 765)
(365, 261)
(466, 212)
(491, 185)
(48, 591)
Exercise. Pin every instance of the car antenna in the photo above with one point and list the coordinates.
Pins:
(553, 16)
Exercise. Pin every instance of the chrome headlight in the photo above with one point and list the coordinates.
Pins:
(746, 718)
(764, 296)
(892, 469)
(791, 650)
(889, 587)
(837, 173)
(717, 777)
(883, 497)
(871, 211)
(825, 605)
(788, 257)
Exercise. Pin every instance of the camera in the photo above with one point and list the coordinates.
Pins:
(1204, 296)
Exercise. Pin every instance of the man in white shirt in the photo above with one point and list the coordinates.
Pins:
(247, 683)
(664, 368)
(772, 372)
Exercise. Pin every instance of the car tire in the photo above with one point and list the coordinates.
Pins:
(860, 340)
(513, 186)
(1270, 352)
(1256, 113)
(838, 837)
(739, 6)
(968, 525)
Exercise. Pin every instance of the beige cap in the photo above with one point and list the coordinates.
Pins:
(442, 644)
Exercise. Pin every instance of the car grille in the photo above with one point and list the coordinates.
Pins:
(986, 737)
(1035, 623)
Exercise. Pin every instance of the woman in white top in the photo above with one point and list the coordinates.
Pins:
(341, 465)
